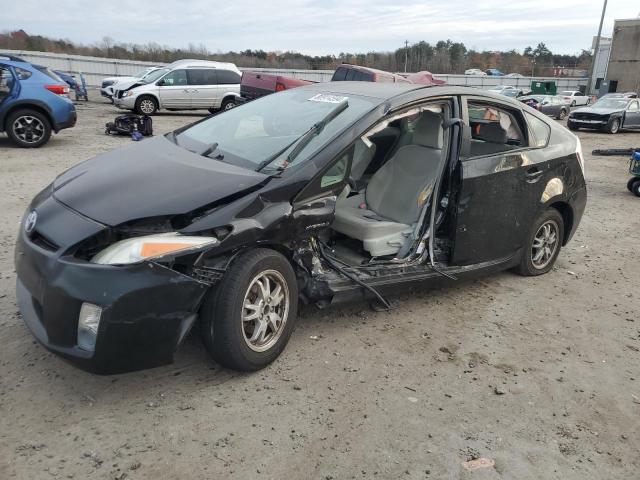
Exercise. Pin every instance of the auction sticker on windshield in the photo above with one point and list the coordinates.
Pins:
(323, 97)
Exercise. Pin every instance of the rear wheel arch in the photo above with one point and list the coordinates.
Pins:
(29, 106)
(566, 212)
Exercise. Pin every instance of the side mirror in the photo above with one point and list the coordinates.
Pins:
(160, 82)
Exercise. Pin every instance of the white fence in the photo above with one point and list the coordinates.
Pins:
(96, 68)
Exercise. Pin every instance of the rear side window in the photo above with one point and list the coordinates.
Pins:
(202, 76)
(541, 131)
(351, 74)
(494, 130)
(227, 77)
(22, 73)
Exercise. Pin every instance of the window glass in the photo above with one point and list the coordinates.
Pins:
(351, 73)
(634, 106)
(6, 82)
(227, 77)
(201, 76)
(337, 172)
(493, 130)
(175, 78)
(540, 129)
(339, 74)
(269, 127)
(22, 73)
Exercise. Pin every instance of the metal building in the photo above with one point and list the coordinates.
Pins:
(623, 73)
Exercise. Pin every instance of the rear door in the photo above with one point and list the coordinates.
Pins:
(501, 185)
(228, 84)
(174, 90)
(632, 115)
(7, 83)
(204, 87)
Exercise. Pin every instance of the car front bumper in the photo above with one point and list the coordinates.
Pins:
(588, 123)
(147, 308)
(128, 103)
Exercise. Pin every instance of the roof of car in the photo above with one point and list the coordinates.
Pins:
(202, 63)
(386, 91)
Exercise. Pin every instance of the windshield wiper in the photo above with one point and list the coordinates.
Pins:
(303, 140)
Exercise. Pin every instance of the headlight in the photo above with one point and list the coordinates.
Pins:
(137, 249)
(128, 93)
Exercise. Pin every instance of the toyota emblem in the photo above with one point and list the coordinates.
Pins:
(30, 221)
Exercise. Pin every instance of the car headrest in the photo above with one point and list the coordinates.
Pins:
(492, 132)
(428, 130)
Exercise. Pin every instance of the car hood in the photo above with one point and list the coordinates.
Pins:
(151, 178)
(129, 84)
(118, 80)
(598, 111)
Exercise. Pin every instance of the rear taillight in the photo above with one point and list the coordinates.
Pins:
(58, 89)
(280, 87)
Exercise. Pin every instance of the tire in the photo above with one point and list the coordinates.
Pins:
(28, 128)
(573, 104)
(572, 126)
(146, 105)
(562, 114)
(529, 267)
(630, 183)
(635, 188)
(212, 110)
(614, 126)
(228, 104)
(232, 340)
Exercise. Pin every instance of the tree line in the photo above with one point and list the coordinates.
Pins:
(444, 56)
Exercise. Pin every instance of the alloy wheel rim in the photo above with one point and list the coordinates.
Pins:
(147, 106)
(265, 310)
(28, 129)
(615, 125)
(545, 244)
(229, 106)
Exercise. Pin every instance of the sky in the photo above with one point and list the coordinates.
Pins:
(322, 26)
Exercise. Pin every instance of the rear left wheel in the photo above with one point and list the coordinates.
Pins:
(28, 128)
(543, 244)
(228, 104)
(247, 321)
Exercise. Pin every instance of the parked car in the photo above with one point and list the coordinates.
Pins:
(508, 90)
(424, 78)
(108, 83)
(348, 72)
(608, 114)
(575, 97)
(256, 84)
(475, 71)
(551, 105)
(494, 72)
(183, 85)
(620, 95)
(34, 102)
(324, 192)
(514, 75)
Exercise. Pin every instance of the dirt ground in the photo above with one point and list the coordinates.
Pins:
(540, 375)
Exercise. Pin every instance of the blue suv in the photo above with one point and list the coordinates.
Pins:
(34, 101)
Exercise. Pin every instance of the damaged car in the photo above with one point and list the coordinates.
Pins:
(319, 194)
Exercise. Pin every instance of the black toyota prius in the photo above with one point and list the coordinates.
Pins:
(318, 194)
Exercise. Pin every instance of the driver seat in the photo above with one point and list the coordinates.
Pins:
(384, 216)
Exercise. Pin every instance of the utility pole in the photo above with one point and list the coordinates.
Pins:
(596, 50)
(406, 54)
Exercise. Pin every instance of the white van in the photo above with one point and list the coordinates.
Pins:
(183, 85)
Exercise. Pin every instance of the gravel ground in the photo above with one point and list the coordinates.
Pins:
(540, 375)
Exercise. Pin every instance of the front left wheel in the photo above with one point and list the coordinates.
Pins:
(248, 319)
(543, 244)
(635, 187)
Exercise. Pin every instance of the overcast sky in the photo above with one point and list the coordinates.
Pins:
(321, 26)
